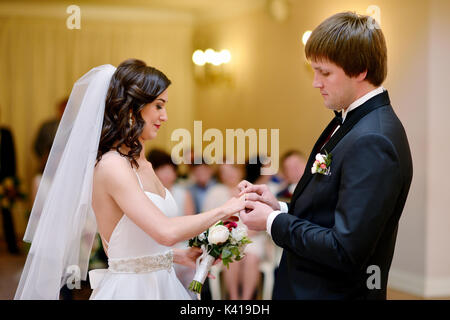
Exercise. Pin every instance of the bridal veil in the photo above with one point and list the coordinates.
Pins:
(62, 224)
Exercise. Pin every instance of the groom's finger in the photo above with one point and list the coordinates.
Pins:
(253, 196)
(246, 188)
(243, 185)
(244, 218)
(250, 204)
(253, 188)
(247, 219)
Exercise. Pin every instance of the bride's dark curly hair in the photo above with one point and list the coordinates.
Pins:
(132, 86)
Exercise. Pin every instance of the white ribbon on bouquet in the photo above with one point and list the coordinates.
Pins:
(203, 265)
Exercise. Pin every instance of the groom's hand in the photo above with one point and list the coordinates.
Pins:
(256, 215)
(258, 192)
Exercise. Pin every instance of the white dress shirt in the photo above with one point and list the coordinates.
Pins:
(353, 106)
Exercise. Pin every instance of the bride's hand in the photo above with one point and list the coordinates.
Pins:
(187, 257)
(233, 206)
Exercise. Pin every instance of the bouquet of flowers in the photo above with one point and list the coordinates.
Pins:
(10, 192)
(225, 240)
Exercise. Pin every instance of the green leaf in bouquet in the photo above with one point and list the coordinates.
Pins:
(215, 252)
(245, 240)
(226, 262)
(194, 242)
(235, 251)
(226, 253)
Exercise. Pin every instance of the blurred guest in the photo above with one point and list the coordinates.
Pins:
(292, 167)
(166, 171)
(8, 169)
(253, 169)
(245, 273)
(202, 179)
(184, 168)
(46, 134)
(43, 143)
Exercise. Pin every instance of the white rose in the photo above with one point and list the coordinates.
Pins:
(313, 169)
(320, 158)
(239, 232)
(201, 236)
(218, 234)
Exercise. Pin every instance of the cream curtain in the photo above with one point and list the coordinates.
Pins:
(40, 59)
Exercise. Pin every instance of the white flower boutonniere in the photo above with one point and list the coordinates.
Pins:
(322, 164)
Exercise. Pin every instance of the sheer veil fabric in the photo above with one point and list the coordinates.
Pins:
(62, 223)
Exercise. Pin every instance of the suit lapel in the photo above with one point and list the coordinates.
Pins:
(307, 174)
(352, 118)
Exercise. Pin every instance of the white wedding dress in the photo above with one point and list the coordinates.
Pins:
(139, 268)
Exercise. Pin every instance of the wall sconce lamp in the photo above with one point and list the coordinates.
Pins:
(211, 66)
(306, 36)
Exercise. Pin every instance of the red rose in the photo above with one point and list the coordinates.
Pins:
(230, 225)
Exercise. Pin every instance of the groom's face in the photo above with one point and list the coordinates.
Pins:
(336, 88)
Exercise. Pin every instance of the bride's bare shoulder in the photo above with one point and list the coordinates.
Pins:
(112, 163)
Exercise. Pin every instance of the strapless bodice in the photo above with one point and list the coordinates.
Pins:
(128, 240)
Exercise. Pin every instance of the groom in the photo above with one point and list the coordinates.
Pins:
(339, 230)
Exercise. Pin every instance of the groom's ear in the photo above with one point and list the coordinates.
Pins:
(361, 77)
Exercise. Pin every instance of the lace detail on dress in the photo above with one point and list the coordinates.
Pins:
(142, 264)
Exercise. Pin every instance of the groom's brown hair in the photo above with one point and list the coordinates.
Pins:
(353, 42)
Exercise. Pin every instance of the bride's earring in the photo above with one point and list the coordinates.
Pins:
(130, 119)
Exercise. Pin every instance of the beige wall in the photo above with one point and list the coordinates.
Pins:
(407, 83)
(422, 260)
(438, 182)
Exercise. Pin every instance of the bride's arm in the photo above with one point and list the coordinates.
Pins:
(120, 182)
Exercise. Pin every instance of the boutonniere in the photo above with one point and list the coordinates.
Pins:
(322, 164)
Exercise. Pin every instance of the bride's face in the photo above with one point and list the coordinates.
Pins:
(154, 114)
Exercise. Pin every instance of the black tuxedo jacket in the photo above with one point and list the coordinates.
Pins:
(340, 224)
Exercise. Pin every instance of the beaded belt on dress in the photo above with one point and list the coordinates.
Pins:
(142, 264)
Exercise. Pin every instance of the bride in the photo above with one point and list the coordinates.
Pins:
(98, 179)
